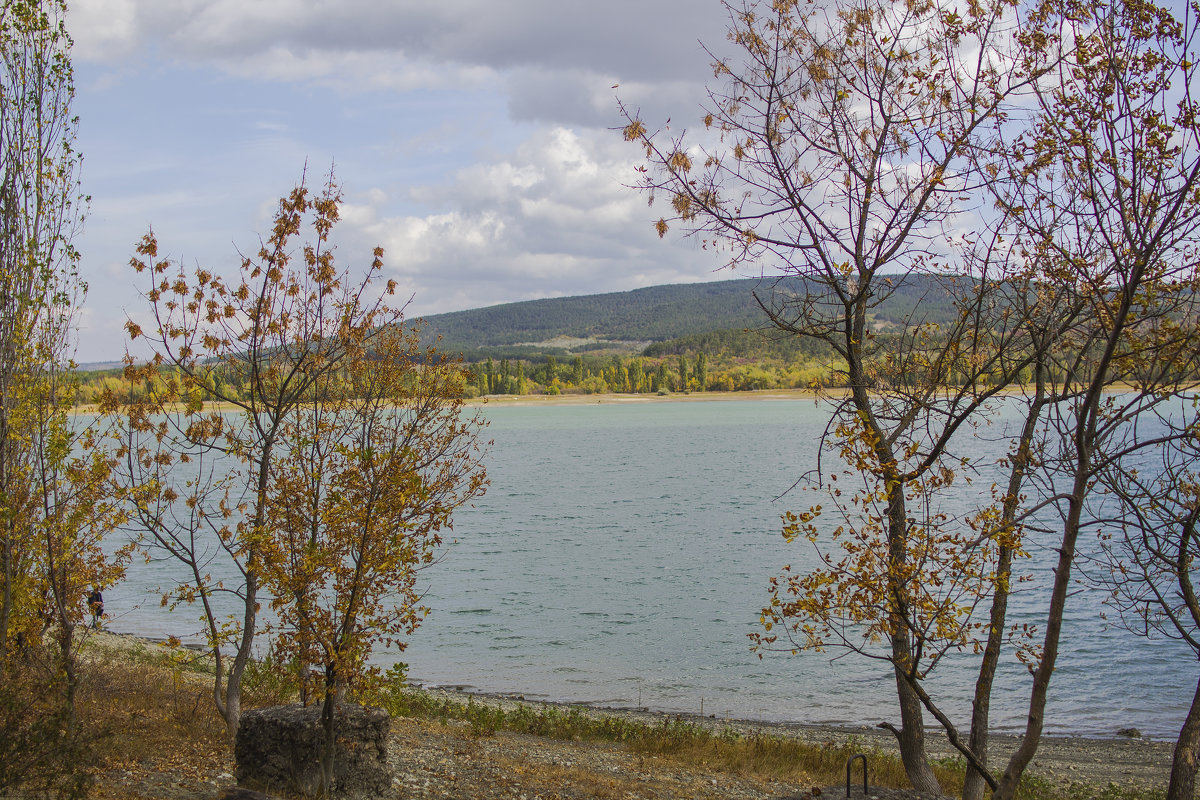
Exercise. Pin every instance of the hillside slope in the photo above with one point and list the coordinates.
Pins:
(654, 313)
(641, 316)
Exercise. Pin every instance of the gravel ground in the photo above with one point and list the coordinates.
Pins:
(436, 760)
(445, 761)
(1132, 762)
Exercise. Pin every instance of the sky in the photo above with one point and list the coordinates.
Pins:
(473, 139)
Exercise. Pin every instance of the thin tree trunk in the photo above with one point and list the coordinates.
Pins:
(911, 736)
(7, 533)
(974, 783)
(328, 711)
(233, 684)
(1187, 754)
(1041, 677)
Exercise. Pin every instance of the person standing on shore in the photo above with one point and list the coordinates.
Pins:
(95, 602)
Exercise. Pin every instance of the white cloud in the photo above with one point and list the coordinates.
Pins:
(411, 44)
(104, 30)
(553, 219)
(471, 137)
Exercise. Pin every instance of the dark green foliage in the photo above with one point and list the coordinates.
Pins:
(741, 343)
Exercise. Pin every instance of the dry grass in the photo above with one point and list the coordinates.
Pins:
(151, 719)
(689, 745)
(150, 715)
(783, 759)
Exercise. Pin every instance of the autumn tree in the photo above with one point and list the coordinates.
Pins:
(843, 152)
(1108, 201)
(55, 500)
(852, 141)
(302, 339)
(369, 473)
(39, 213)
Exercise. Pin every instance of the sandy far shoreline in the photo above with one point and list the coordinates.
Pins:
(619, 399)
(582, 399)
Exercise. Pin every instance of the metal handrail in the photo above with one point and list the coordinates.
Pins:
(849, 763)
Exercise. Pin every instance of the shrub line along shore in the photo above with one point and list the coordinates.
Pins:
(1127, 762)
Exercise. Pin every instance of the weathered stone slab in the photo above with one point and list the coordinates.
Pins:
(278, 750)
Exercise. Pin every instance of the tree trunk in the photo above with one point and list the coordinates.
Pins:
(6, 538)
(1041, 677)
(328, 710)
(974, 782)
(70, 673)
(911, 738)
(911, 735)
(233, 684)
(1187, 754)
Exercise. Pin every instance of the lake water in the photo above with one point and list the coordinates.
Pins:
(621, 557)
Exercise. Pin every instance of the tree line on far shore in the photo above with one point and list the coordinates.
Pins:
(718, 361)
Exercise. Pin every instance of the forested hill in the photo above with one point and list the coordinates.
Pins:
(655, 313)
(641, 316)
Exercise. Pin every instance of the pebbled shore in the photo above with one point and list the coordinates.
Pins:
(448, 760)
(1130, 762)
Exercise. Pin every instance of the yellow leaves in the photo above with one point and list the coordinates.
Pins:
(634, 130)
(682, 203)
(305, 362)
(679, 162)
(661, 227)
(819, 65)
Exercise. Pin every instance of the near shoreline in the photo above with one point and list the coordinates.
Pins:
(1131, 763)
(1135, 763)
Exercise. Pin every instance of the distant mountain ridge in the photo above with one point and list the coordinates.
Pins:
(631, 320)
(651, 314)
(671, 318)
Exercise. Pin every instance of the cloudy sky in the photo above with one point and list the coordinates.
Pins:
(473, 138)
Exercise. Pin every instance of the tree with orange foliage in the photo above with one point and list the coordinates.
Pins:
(369, 475)
(1041, 159)
(322, 483)
(842, 152)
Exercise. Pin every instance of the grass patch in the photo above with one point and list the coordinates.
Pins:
(144, 710)
(688, 743)
(700, 746)
(150, 710)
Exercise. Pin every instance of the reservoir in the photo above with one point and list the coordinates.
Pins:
(622, 556)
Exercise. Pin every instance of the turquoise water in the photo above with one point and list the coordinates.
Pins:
(621, 557)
